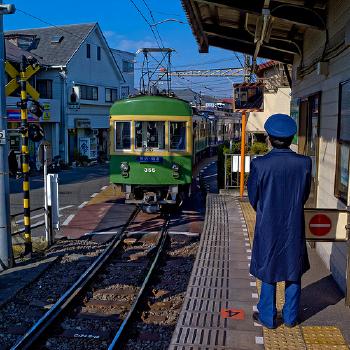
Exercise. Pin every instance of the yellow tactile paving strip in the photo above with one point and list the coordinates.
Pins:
(111, 192)
(300, 337)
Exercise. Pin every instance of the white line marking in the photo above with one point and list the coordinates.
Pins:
(248, 264)
(249, 250)
(205, 177)
(247, 239)
(250, 275)
(103, 188)
(249, 257)
(247, 244)
(320, 225)
(101, 233)
(253, 284)
(40, 215)
(183, 233)
(255, 295)
(255, 308)
(68, 220)
(257, 324)
(82, 205)
(94, 195)
(259, 340)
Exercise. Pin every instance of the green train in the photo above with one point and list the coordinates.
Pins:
(154, 143)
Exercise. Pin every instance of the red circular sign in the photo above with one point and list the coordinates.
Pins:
(320, 225)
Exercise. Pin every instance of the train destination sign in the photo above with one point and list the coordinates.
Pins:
(328, 225)
(248, 97)
(150, 159)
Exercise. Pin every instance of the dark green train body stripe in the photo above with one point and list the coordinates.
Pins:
(163, 174)
(151, 105)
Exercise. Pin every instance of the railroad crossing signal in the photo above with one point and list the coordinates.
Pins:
(13, 84)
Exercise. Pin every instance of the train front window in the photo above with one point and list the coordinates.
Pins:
(122, 135)
(150, 135)
(178, 136)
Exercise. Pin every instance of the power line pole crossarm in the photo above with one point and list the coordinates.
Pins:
(6, 257)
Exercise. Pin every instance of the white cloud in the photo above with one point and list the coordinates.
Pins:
(118, 41)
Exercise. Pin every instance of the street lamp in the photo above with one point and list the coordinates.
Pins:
(168, 20)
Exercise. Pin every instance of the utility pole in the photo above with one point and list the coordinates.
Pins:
(6, 259)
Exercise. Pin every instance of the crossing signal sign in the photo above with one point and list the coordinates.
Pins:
(13, 84)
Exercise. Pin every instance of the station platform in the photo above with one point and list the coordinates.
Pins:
(222, 295)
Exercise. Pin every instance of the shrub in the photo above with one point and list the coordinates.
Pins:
(258, 148)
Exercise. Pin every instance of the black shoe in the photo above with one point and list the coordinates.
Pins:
(257, 320)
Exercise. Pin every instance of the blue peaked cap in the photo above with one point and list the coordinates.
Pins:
(280, 125)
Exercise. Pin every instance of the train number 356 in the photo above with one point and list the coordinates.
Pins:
(149, 170)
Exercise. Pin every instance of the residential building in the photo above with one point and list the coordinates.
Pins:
(277, 98)
(79, 73)
(126, 62)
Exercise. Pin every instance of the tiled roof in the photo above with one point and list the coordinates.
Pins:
(56, 54)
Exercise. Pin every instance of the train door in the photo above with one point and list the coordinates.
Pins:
(309, 139)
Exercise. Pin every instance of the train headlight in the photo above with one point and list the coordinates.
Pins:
(125, 167)
(175, 167)
(176, 170)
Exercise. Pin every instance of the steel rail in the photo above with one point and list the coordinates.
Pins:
(33, 334)
(116, 342)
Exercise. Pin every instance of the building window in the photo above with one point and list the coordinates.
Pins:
(178, 136)
(44, 87)
(88, 92)
(150, 134)
(122, 135)
(128, 66)
(88, 51)
(111, 95)
(98, 53)
(124, 92)
(343, 144)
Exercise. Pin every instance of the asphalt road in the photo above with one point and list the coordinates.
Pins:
(76, 187)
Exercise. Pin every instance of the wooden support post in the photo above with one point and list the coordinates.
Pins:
(241, 183)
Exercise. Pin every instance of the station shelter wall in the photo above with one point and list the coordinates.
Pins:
(274, 102)
(333, 254)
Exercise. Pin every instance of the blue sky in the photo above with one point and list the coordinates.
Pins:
(125, 29)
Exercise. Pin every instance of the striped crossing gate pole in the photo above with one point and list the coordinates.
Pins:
(25, 158)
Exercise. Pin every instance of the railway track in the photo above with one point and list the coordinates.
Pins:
(95, 311)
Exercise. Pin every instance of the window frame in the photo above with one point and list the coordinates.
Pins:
(83, 86)
(88, 51)
(154, 149)
(169, 136)
(127, 88)
(340, 195)
(111, 94)
(115, 134)
(48, 88)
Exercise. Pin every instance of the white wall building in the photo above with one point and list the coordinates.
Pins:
(277, 96)
(126, 61)
(80, 73)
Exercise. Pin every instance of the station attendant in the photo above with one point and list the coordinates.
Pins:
(278, 187)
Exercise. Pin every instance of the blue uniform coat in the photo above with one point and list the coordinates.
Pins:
(278, 187)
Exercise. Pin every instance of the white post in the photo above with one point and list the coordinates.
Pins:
(47, 219)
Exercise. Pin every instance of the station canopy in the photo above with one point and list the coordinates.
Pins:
(265, 28)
